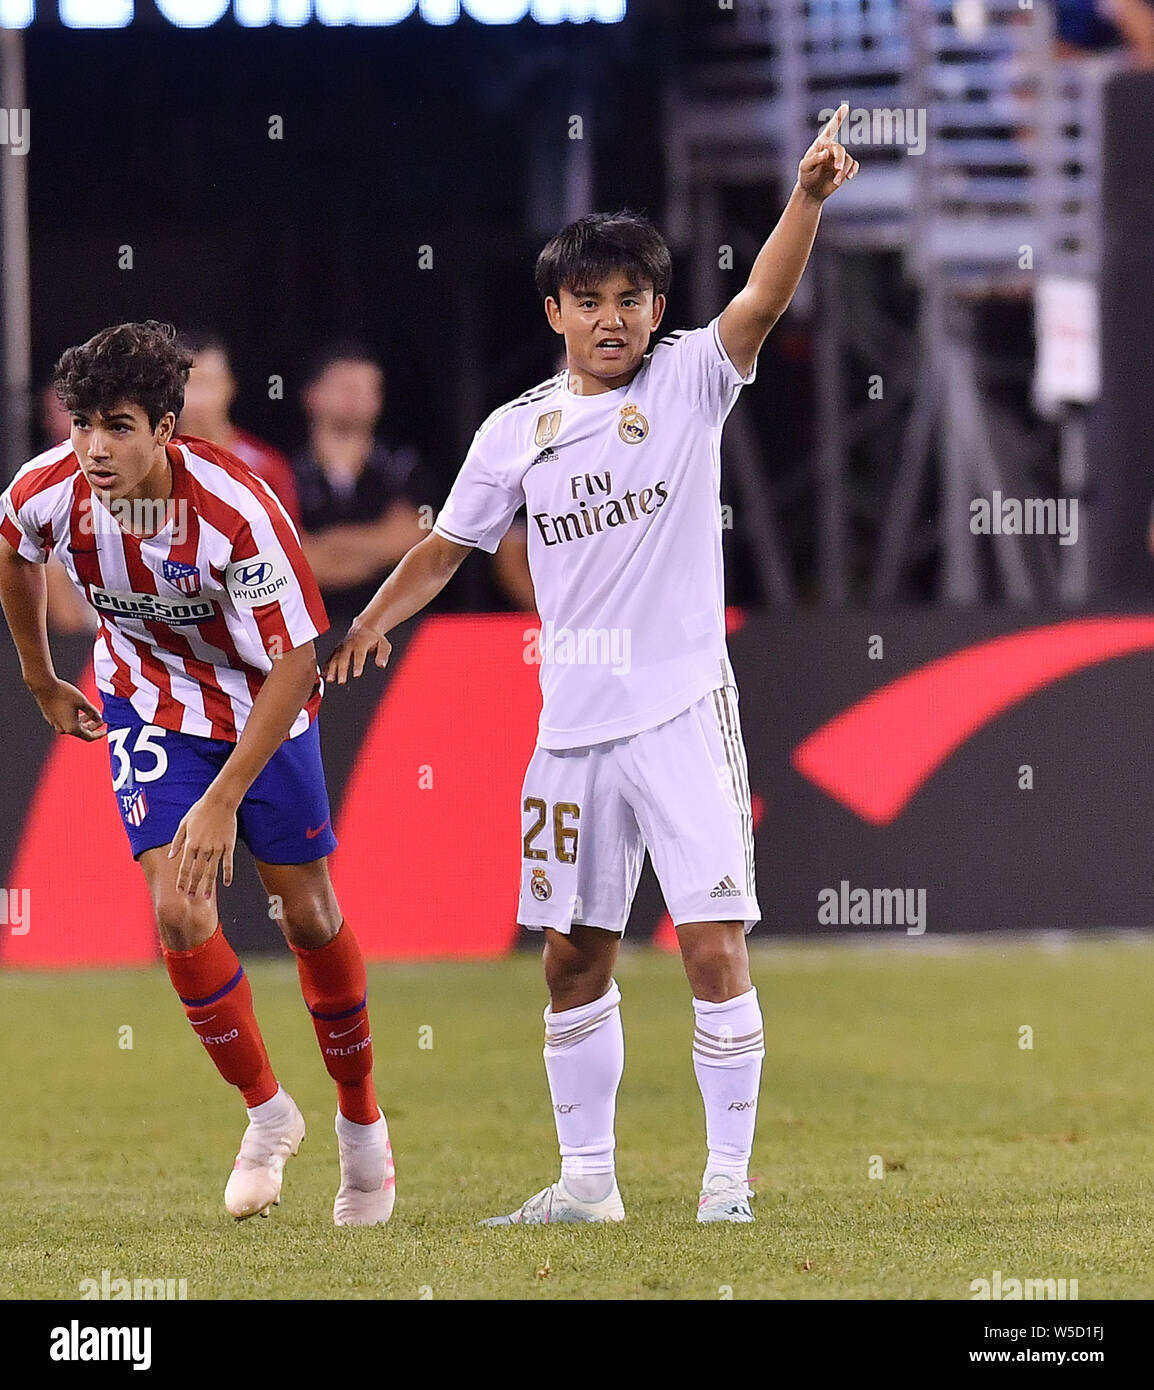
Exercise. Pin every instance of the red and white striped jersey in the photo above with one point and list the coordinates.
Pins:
(191, 617)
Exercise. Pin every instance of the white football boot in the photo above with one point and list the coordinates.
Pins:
(255, 1181)
(724, 1198)
(368, 1187)
(556, 1203)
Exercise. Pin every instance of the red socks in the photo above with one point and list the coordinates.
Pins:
(333, 984)
(216, 996)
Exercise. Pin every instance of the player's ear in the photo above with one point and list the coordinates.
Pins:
(165, 429)
(553, 314)
(658, 310)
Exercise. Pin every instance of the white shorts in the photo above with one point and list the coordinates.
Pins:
(680, 790)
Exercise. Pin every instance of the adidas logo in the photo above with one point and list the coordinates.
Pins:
(726, 889)
(546, 456)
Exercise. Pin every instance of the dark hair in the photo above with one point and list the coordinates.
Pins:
(591, 249)
(340, 350)
(140, 363)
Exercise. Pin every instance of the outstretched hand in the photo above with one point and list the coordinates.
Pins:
(349, 658)
(827, 164)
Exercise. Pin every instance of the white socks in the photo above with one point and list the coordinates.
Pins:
(363, 1153)
(728, 1046)
(584, 1059)
(274, 1111)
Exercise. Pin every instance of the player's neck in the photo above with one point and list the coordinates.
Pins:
(585, 384)
(155, 486)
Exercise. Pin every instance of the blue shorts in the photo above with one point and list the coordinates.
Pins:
(159, 774)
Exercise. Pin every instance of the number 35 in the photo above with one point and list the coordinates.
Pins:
(145, 743)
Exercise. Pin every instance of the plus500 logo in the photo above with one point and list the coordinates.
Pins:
(118, 603)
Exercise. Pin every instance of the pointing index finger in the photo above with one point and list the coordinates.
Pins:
(835, 121)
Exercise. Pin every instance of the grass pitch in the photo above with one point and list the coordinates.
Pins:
(1032, 1161)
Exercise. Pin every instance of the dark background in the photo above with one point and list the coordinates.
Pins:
(394, 138)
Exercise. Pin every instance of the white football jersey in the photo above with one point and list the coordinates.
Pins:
(622, 493)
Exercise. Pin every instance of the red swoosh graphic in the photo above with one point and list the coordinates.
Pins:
(873, 757)
(431, 870)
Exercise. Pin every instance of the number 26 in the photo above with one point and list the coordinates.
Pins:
(564, 836)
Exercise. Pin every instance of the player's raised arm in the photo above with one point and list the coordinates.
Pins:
(775, 275)
(416, 581)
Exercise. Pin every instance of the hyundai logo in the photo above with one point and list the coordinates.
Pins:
(252, 575)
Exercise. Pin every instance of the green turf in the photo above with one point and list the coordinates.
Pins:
(1035, 1163)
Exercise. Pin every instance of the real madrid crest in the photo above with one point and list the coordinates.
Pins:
(541, 888)
(547, 428)
(633, 426)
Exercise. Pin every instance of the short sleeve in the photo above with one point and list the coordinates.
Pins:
(482, 501)
(268, 573)
(20, 528)
(705, 371)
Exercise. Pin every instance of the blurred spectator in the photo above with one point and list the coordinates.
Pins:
(208, 399)
(1095, 26)
(358, 510)
(360, 499)
(67, 611)
(54, 421)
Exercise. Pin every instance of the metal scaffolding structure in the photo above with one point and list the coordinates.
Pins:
(980, 152)
(15, 305)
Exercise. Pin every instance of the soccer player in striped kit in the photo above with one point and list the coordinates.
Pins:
(207, 672)
(617, 461)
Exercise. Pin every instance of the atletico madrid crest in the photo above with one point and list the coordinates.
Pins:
(185, 578)
(134, 805)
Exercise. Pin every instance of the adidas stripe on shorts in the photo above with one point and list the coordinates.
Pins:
(680, 790)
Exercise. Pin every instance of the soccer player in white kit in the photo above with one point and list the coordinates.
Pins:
(617, 461)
